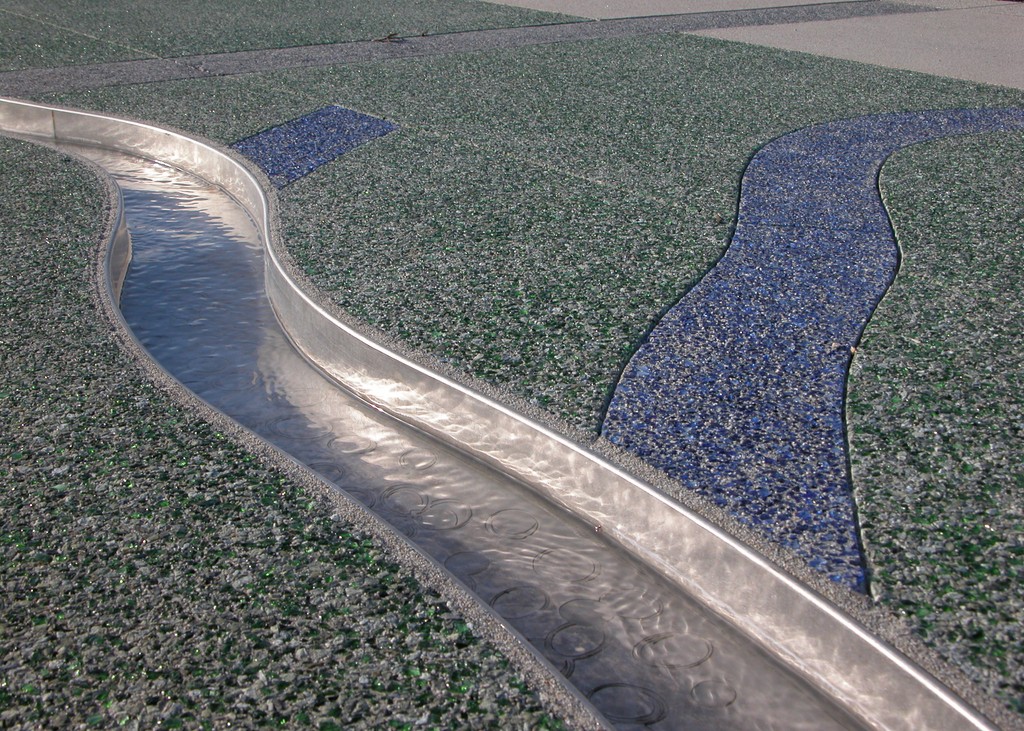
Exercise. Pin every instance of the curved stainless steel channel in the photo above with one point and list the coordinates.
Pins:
(650, 614)
(194, 298)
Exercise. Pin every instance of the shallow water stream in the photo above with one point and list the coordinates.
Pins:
(643, 652)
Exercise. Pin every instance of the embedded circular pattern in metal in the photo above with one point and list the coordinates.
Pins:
(405, 500)
(585, 610)
(673, 650)
(418, 459)
(513, 523)
(576, 641)
(520, 601)
(629, 703)
(563, 562)
(295, 428)
(331, 471)
(713, 694)
(446, 515)
(351, 444)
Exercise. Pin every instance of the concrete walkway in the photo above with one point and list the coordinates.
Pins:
(975, 40)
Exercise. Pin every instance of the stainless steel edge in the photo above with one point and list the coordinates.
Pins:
(792, 622)
(119, 252)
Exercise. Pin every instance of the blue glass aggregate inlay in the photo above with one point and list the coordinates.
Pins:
(739, 390)
(299, 147)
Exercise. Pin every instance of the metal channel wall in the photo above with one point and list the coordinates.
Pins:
(818, 640)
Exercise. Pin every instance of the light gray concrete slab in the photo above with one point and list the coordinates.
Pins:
(964, 4)
(964, 41)
(608, 9)
(974, 40)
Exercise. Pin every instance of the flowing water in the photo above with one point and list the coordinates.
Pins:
(643, 652)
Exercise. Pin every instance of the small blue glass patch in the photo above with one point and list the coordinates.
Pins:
(739, 390)
(297, 148)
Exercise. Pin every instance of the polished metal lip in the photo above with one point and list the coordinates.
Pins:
(792, 622)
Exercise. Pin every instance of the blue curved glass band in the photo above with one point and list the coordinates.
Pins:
(739, 390)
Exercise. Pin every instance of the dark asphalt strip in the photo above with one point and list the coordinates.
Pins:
(29, 83)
